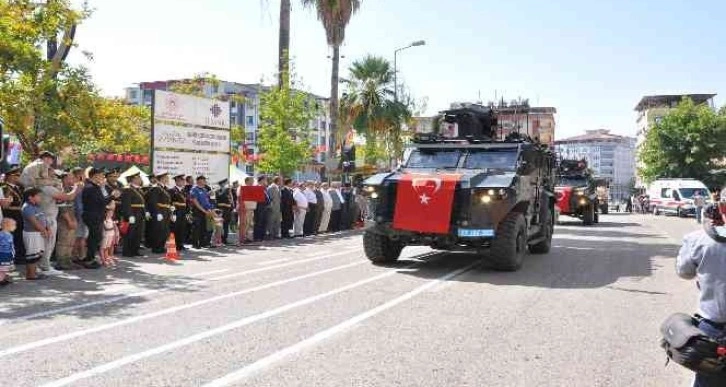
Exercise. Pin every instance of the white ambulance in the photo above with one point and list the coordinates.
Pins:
(675, 196)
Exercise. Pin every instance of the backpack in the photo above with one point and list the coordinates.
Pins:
(690, 347)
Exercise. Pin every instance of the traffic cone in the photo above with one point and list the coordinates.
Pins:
(171, 254)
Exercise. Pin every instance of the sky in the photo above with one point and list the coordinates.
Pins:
(592, 60)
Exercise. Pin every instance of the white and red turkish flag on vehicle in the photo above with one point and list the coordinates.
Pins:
(424, 202)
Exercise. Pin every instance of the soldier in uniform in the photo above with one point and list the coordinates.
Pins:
(224, 204)
(181, 211)
(189, 184)
(133, 210)
(158, 204)
(14, 191)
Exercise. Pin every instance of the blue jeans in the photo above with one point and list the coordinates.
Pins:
(699, 214)
(704, 380)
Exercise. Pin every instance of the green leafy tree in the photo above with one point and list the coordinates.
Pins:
(284, 132)
(371, 107)
(49, 104)
(41, 95)
(335, 16)
(688, 142)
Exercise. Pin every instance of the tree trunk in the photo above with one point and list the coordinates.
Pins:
(284, 47)
(334, 102)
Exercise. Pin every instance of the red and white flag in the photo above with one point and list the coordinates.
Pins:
(424, 203)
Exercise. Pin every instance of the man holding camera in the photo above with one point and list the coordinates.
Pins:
(703, 256)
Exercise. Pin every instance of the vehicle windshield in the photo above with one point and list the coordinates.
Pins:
(687, 193)
(492, 159)
(433, 158)
(572, 181)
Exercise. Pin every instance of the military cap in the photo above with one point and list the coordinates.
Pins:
(46, 154)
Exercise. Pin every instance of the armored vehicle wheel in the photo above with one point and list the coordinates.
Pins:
(588, 216)
(380, 248)
(543, 246)
(510, 244)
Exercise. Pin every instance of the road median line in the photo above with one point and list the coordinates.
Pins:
(280, 355)
(143, 293)
(74, 335)
(103, 368)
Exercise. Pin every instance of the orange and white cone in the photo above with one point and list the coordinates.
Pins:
(171, 254)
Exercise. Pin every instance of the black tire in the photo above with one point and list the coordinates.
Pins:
(604, 209)
(544, 246)
(380, 248)
(588, 217)
(510, 244)
(656, 212)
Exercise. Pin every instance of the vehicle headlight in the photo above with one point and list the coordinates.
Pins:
(371, 192)
(580, 191)
(486, 196)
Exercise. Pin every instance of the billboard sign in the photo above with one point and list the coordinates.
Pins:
(190, 135)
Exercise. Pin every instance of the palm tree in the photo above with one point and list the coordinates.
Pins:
(283, 64)
(335, 16)
(371, 106)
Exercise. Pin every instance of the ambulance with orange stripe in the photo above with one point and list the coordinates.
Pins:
(675, 196)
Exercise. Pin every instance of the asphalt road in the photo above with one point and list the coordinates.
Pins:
(316, 313)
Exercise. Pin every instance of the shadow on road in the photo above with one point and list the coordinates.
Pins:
(63, 294)
(572, 263)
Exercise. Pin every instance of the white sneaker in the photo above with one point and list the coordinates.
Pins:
(52, 271)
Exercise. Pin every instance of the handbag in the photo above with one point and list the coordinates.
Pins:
(690, 347)
(123, 227)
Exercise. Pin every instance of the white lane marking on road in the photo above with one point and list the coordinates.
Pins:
(163, 312)
(104, 301)
(269, 360)
(601, 238)
(265, 263)
(213, 332)
(154, 291)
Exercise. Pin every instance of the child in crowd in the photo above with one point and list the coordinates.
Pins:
(35, 231)
(7, 250)
(218, 228)
(111, 236)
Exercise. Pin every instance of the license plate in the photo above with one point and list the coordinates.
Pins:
(475, 233)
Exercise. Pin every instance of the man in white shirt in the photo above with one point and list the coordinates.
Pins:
(309, 227)
(301, 207)
(327, 208)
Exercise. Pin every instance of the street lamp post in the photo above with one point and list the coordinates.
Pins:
(395, 65)
(395, 82)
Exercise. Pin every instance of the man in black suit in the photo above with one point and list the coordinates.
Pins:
(286, 206)
(260, 226)
(94, 211)
(224, 204)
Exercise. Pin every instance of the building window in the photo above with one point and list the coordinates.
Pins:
(133, 95)
(250, 121)
(250, 137)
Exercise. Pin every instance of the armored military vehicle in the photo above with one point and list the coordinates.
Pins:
(575, 190)
(466, 188)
